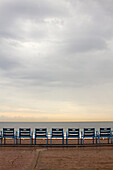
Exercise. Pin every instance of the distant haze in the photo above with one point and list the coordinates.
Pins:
(56, 60)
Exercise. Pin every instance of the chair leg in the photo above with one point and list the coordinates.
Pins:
(83, 141)
(4, 141)
(35, 141)
(31, 141)
(50, 141)
(16, 141)
(108, 140)
(93, 140)
(1, 140)
(47, 140)
(79, 141)
(20, 141)
(63, 141)
(67, 141)
(112, 140)
(96, 140)
(99, 141)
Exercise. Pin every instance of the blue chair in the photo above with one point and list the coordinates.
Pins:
(25, 133)
(1, 136)
(41, 133)
(9, 133)
(88, 133)
(104, 133)
(57, 133)
(72, 133)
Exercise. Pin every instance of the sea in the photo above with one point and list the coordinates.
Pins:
(50, 125)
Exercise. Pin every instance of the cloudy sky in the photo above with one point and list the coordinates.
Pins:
(56, 60)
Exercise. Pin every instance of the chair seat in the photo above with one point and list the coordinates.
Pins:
(39, 136)
(57, 135)
(89, 136)
(25, 136)
(73, 136)
(103, 135)
(9, 136)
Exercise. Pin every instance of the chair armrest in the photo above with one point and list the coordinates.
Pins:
(35, 134)
(16, 133)
(82, 134)
(50, 133)
(1, 133)
(112, 133)
(31, 133)
(97, 133)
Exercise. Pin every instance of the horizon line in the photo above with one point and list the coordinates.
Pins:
(57, 121)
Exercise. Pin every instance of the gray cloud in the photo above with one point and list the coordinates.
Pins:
(56, 47)
(7, 63)
(21, 20)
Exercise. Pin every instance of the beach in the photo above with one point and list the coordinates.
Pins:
(41, 158)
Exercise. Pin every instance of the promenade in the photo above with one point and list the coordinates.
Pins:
(56, 158)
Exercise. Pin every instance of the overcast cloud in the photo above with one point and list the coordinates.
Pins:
(56, 60)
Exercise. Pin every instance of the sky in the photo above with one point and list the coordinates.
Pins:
(56, 60)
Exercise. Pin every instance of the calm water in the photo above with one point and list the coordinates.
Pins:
(50, 125)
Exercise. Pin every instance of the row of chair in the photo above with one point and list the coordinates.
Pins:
(71, 133)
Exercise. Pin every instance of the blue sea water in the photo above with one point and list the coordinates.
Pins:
(50, 125)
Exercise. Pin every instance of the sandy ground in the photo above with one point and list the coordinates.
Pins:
(76, 158)
(56, 158)
(28, 158)
(12, 158)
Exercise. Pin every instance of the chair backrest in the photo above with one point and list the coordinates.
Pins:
(40, 131)
(57, 131)
(8, 132)
(73, 132)
(105, 132)
(24, 132)
(89, 132)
